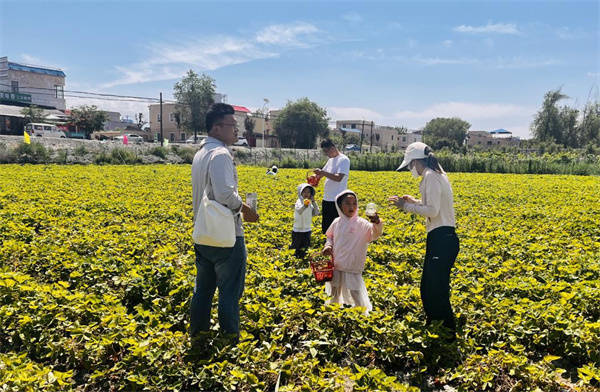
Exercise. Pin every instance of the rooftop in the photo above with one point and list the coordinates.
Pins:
(36, 69)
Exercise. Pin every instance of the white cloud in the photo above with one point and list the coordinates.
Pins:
(352, 17)
(170, 60)
(593, 74)
(485, 116)
(440, 61)
(567, 33)
(126, 108)
(465, 110)
(522, 63)
(353, 113)
(498, 28)
(33, 60)
(287, 35)
(448, 43)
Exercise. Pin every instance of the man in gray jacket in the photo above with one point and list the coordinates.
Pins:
(213, 171)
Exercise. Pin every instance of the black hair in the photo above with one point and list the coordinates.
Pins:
(431, 161)
(340, 200)
(216, 113)
(327, 143)
(310, 188)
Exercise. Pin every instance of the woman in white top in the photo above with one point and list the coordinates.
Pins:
(436, 205)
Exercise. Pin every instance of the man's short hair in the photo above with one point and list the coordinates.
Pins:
(216, 113)
(327, 143)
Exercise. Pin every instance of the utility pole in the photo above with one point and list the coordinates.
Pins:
(371, 146)
(162, 140)
(362, 130)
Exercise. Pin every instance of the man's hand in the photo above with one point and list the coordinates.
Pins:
(319, 173)
(249, 214)
(397, 201)
(328, 251)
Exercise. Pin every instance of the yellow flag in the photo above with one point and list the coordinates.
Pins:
(26, 138)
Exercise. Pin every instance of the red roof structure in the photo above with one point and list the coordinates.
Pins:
(240, 109)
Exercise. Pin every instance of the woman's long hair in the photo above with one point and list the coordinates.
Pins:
(431, 161)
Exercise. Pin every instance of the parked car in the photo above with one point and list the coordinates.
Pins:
(352, 147)
(191, 140)
(241, 142)
(131, 138)
(44, 130)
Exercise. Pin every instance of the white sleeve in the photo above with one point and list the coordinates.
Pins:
(433, 189)
(343, 167)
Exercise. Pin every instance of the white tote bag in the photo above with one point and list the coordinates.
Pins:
(214, 225)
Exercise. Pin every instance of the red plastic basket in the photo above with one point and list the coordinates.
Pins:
(322, 267)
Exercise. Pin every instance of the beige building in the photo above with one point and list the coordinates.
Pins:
(171, 131)
(178, 134)
(31, 85)
(264, 133)
(382, 137)
(410, 137)
(488, 140)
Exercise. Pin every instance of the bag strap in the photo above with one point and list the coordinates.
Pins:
(207, 182)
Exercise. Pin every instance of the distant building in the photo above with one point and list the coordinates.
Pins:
(410, 137)
(24, 85)
(171, 130)
(493, 139)
(384, 138)
(116, 122)
(241, 112)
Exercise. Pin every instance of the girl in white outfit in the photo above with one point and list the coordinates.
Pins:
(347, 240)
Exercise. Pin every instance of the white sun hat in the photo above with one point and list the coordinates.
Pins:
(414, 150)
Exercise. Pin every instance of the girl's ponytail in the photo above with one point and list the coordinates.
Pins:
(432, 162)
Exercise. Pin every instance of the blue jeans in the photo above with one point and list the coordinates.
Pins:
(224, 268)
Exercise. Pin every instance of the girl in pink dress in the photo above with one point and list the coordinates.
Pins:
(347, 240)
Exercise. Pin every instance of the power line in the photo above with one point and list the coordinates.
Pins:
(83, 92)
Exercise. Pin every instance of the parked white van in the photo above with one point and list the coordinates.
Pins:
(44, 130)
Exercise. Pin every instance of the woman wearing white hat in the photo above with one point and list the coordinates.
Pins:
(436, 205)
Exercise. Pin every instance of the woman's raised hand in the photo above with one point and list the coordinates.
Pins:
(397, 201)
(409, 199)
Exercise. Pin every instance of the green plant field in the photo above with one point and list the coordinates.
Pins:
(97, 269)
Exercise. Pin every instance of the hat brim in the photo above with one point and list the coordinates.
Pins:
(403, 165)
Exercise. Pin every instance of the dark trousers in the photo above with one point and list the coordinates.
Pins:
(329, 214)
(223, 268)
(442, 249)
(300, 242)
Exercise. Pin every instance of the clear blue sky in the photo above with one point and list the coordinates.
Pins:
(397, 63)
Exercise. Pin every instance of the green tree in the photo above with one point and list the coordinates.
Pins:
(194, 95)
(445, 132)
(249, 125)
(140, 122)
(34, 114)
(299, 124)
(343, 138)
(570, 129)
(548, 124)
(88, 119)
(589, 127)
